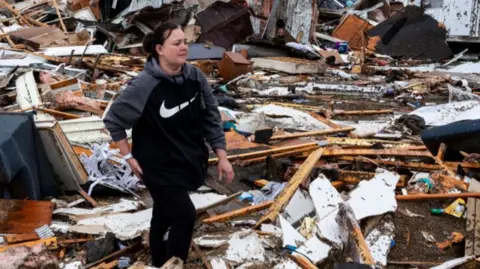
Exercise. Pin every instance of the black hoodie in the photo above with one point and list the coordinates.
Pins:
(171, 117)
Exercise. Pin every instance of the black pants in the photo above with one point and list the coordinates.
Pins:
(173, 211)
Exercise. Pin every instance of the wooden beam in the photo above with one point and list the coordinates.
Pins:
(60, 17)
(298, 178)
(375, 152)
(18, 238)
(414, 197)
(362, 112)
(51, 243)
(420, 166)
(302, 262)
(104, 265)
(306, 150)
(414, 263)
(325, 120)
(202, 256)
(264, 152)
(313, 133)
(441, 151)
(238, 213)
(74, 241)
(354, 177)
(299, 106)
(87, 197)
(57, 113)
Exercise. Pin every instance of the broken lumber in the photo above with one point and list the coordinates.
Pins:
(298, 178)
(413, 197)
(87, 197)
(313, 133)
(299, 106)
(375, 152)
(441, 151)
(418, 166)
(56, 113)
(202, 256)
(356, 240)
(325, 120)
(74, 241)
(18, 238)
(361, 112)
(264, 152)
(279, 155)
(238, 213)
(60, 17)
(109, 265)
(50, 243)
(359, 142)
(354, 177)
(302, 262)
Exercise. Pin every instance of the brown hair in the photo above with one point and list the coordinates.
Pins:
(161, 32)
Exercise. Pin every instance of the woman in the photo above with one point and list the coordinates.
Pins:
(172, 111)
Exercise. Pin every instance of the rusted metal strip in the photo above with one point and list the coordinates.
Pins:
(238, 213)
(298, 178)
(263, 152)
(313, 133)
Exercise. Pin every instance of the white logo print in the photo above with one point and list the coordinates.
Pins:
(168, 112)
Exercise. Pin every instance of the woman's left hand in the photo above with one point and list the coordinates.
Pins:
(225, 168)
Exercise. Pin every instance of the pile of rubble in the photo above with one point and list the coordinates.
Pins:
(352, 127)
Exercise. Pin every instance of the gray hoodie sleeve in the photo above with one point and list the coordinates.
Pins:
(128, 106)
(213, 120)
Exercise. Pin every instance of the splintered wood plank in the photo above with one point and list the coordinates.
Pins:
(19, 216)
(312, 133)
(298, 178)
(476, 243)
(473, 217)
(238, 213)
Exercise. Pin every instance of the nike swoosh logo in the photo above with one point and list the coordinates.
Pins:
(169, 112)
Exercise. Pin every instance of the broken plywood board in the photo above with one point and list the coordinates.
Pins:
(290, 65)
(353, 30)
(66, 164)
(379, 241)
(18, 216)
(472, 241)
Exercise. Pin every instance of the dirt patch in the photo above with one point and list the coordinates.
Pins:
(416, 248)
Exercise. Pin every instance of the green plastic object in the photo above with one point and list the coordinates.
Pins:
(436, 211)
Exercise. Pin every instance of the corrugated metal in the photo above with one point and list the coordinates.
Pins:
(224, 24)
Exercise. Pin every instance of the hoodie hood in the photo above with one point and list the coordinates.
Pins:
(153, 69)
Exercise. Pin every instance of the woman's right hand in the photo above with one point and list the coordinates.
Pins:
(136, 169)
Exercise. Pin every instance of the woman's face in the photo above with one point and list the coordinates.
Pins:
(175, 49)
